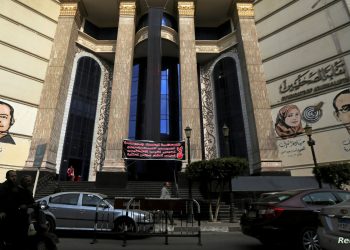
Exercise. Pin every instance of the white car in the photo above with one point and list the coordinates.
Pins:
(334, 231)
(78, 210)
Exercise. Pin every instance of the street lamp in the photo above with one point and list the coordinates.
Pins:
(188, 131)
(226, 132)
(311, 143)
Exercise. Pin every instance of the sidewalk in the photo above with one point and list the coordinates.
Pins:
(207, 226)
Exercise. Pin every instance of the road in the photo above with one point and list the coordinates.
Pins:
(210, 241)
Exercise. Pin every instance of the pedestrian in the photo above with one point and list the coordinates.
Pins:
(70, 173)
(165, 194)
(8, 207)
(25, 200)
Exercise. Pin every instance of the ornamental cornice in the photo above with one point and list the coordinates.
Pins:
(186, 8)
(245, 9)
(97, 46)
(165, 33)
(216, 46)
(127, 9)
(68, 9)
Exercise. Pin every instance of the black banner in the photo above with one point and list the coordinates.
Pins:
(149, 150)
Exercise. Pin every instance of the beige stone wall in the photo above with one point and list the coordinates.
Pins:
(118, 125)
(267, 155)
(188, 76)
(51, 109)
(26, 38)
(300, 41)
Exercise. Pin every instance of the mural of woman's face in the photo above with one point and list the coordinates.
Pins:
(293, 118)
(5, 118)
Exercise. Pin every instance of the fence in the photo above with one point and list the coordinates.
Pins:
(150, 217)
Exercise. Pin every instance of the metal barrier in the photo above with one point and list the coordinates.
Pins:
(150, 217)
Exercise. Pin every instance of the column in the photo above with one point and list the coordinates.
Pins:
(265, 153)
(118, 125)
(189, 78)
(49, 119)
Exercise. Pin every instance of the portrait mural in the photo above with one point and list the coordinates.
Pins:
(288, 122)
(7, 119)
(341, 105)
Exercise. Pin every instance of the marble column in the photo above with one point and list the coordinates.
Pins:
(189, 78)
(266, 152)
(118, 125)
(49, 118)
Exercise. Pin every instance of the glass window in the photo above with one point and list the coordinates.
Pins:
(67, 199)
(229, 109)
(81, 119)
(133, 101)
(90, 200)
(343, 196)
(320, 198)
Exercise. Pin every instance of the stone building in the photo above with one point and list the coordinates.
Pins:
(82, 76)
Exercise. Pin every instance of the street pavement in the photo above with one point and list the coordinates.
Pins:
(210, 241)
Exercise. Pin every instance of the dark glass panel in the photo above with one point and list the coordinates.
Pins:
(229, 108)
(213, 33)
(109, 33)
(81, 118)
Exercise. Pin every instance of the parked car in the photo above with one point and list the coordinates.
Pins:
(77, 211)
(289, 217)
(334, 230)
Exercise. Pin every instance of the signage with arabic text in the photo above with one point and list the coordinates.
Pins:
(150, 150)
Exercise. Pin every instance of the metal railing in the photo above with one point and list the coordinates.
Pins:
(150, 217)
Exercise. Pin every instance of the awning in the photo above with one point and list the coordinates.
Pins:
(274, 183)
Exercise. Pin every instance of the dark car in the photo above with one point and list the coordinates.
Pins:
(334, 229)
(289, 217)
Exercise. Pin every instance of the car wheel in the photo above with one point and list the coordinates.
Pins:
(124, 225)
(309, 239)
(50, 224)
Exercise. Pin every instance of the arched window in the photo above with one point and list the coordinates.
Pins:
(81, 118)
(229, 109)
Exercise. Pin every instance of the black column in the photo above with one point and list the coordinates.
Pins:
(154, 61)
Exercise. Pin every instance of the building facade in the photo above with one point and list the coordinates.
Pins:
(82, 76)
(305, 53)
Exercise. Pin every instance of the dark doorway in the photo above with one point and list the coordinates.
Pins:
(149, 170)
(229, 108)
(81, 119)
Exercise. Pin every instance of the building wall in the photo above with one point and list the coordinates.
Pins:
(26, 38)
(306, 58)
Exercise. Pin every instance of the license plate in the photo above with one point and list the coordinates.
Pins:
(344, 224)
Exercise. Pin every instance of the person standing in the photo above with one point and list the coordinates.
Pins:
(70, 173)
(165, 194)
(24, 200)
(8, 206)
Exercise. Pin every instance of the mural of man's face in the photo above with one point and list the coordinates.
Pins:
(5, 118)
(343, 105)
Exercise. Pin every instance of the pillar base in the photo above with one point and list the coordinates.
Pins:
(114, 166)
